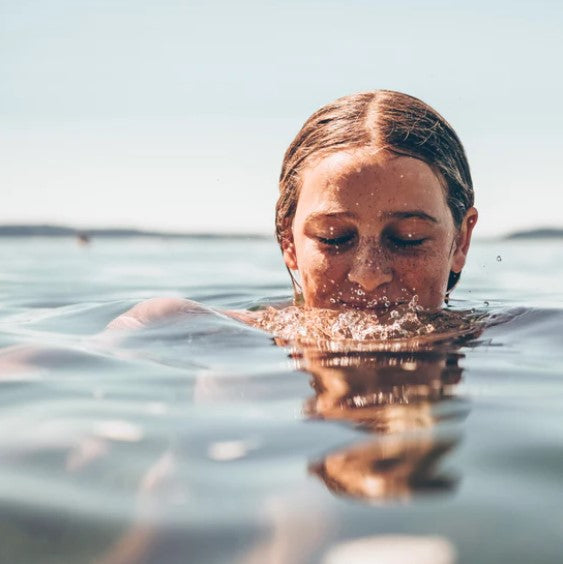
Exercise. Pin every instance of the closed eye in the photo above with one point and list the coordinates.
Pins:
(407, 243)
(342, 240)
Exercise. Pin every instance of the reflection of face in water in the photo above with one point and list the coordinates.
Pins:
(401, 398)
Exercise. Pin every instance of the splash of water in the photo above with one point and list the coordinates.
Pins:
(403, 328)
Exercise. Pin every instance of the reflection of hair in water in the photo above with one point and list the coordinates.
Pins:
(393, 468)
(385, 393)
(392, 396)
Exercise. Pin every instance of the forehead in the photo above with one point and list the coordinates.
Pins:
(376, 180)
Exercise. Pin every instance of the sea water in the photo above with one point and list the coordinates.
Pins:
(201, 440)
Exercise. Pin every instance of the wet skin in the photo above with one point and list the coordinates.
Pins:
(371, 230)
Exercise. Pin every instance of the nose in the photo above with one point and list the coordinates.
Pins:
(370, 268)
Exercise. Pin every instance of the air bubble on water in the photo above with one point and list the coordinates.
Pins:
(499, 258)
(486, 303)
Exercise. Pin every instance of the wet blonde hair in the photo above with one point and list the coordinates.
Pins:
(382, 119)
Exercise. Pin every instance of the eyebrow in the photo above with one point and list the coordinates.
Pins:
(418, 214)
(328, 214)
(409, 214)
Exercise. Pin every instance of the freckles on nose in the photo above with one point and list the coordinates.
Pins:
(370, 269)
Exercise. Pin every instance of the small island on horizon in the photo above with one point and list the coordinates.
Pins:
(540, 233)
(46, 230)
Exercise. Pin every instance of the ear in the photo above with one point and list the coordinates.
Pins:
(288, 250)
(287, 244)
(463, 240)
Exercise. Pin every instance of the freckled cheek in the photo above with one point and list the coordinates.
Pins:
(427, 278)
(321, 275)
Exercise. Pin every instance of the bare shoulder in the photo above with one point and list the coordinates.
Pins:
(244, 316)
(153, 311)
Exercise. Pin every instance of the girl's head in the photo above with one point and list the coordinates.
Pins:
(376, 203)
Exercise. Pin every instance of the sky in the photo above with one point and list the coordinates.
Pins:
(175, 115)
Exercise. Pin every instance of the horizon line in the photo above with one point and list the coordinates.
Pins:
(46, 229)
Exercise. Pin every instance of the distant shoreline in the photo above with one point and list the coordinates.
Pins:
(84, 233)
(540, 233)
(61, 231)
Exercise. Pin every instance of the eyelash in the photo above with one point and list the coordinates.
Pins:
(336, 240)
(395, 241)
(406, 243)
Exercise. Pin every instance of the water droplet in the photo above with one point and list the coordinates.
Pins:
(499, 258)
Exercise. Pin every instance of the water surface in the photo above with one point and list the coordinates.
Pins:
(202, 441)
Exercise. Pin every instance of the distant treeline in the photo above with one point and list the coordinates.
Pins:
(543, 233)
(58, 231)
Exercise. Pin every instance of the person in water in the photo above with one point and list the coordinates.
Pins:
(375, 208)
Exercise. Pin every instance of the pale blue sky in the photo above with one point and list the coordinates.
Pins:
(175, 114)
